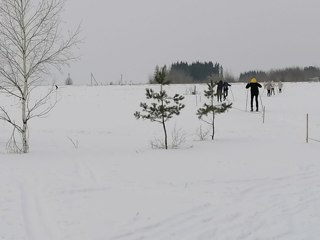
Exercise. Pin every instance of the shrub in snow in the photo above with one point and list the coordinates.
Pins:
(178, 137)
(208, 111)
(202, 134)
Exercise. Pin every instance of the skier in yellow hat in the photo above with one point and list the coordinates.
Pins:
(254, 87)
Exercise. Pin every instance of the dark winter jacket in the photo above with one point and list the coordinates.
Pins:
(254, 87)
(219, 87)
(226, 86)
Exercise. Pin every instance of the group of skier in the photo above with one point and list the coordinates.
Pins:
(270, 86)
(223, 89)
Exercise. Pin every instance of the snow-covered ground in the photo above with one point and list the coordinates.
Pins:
(92, 175)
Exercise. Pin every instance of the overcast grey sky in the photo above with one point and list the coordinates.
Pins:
(131, 37)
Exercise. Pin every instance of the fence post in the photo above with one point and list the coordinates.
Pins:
(307, 134)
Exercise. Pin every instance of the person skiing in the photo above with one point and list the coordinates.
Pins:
(272, 88)
(280, 85)
(219, 90)
(268, 87)
(254, 88)
(226, 86)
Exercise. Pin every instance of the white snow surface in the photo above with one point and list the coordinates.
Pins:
(91, 173)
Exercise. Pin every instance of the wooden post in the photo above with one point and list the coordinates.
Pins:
(307, 135)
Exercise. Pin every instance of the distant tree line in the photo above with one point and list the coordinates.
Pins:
(204, 72)
(196, 72)
(293, 74)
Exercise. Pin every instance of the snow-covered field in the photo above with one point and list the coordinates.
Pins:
(92, 175)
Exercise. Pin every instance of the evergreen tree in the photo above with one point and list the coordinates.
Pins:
(208, 111)
(261, 76)
(194, 72)
(160, 76)
(162, 109)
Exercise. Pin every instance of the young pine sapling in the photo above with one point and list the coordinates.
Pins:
(164, 107)
(208, 111)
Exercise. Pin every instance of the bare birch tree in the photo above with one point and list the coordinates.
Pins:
(31, 43)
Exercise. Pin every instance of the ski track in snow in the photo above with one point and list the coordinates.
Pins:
(210, 222)
(204, 222)
(35, 220)
(34, 194)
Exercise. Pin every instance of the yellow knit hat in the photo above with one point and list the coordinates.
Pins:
(253, 80)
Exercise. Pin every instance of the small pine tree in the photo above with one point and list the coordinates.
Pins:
(160, 76)
(162, 109)
(209, 110)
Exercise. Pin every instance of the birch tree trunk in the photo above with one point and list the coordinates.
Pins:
(25, 144)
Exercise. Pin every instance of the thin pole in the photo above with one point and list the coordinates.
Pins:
(307, 135)
(261, 100)
(263, 114)
(247, 101)
(232, 94)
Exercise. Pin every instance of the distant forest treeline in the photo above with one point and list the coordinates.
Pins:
(199, 72)
(293, 74)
